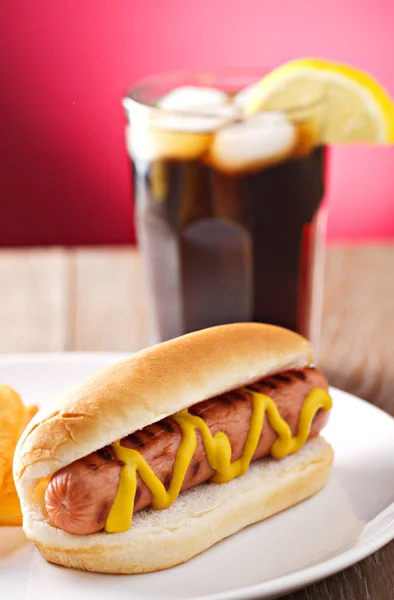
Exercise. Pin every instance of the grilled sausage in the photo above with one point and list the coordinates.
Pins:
(79, 496)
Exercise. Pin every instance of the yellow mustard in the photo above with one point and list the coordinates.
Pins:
(218, 451)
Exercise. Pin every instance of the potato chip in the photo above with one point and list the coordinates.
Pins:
(12, 413)
(10, 511)
(30, 411)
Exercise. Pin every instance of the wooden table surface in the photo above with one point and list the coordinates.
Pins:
(93, 299)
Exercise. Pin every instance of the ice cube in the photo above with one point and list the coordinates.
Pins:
(194, 109)
(203, 119)
(179, 136)
(262, 140)
(155, 143)
(191, 98)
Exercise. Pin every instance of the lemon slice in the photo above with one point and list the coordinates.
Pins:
(358, 109)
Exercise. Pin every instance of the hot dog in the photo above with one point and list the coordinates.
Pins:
(160, 456)
(79, 496)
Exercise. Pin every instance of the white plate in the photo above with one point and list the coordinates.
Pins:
(351, 518)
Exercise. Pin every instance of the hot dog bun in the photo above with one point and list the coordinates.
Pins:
(199, 518)
(141, 390)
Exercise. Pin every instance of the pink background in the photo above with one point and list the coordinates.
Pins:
(65, 65)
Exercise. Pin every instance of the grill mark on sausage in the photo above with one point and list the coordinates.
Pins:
(167, 425)
(282, 378)
(300, 375)
(196, 468)
(105, 454)
(269, 384)
(167, 481)
(137, 495)
(149, 433)
(226, 400)
(264, 383)
(253, 388)
(133, 437)
(238, 395)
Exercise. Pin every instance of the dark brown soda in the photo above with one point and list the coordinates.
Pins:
(224, 248)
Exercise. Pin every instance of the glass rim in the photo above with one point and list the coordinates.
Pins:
(229, 74)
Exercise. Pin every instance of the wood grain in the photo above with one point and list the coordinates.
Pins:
(33, 300)
(358, 319)
(94, 299)
(107, 301)
(371, 579)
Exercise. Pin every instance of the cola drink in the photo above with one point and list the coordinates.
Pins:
(229, 210)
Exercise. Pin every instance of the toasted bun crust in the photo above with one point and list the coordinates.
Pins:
(197, 520)
(147, 387)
